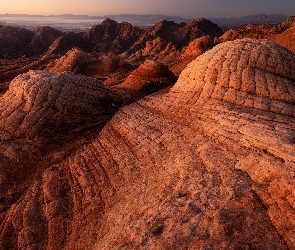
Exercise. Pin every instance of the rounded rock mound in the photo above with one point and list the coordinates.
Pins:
(74, 60)
(46, 104)
(105, 65)
(256, 74)
(148, 78)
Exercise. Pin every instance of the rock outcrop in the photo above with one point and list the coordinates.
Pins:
(159, 50)
(64, 43)
(196, 48)
(110, 36)
(148, 78)
(42, 39)
(177, 35)
(42, 113)
(13, 41)
(9, 69)
(17, 42)
(286, 38)
(208, 165)
(74, 60)
(108, 67)
(281, 33)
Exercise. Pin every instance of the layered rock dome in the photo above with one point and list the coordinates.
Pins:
(208, 165)
(148, 78)
(42, 117)
(74, 60)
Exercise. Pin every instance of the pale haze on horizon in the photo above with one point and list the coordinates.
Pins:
(184, 8)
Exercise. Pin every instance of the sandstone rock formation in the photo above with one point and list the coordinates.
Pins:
(191, 52)
(74, 60)
(64, 43)
(13, 41)
(248, 31)
(148, 78)
(42, 39)
(178, 35)
(43, 112)
(282, 33)
(279, 28)
(9, 69)
(158, 50)
(208, 165)
(108, 67)
(285, 38)
(110, 36)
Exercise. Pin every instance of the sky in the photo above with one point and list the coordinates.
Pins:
(183, 8)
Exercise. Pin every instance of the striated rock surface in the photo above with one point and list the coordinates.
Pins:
(159, 50)
(42, 113)
(178, 35)
(197, 47)
(208, 165)
(248, 31)
(67, 41)
(282, 33)
(148, 78)
(74, 60)
(286, 38)
(109, 68)
(46, 104)
(9, 69)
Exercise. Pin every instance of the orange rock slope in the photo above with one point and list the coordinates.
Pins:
(208, 165)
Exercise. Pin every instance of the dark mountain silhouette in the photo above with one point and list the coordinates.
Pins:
(111, 36)
(234, 22)
(180, 35)
(14, 41)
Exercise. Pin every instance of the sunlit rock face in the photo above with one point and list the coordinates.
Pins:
(208, 165)
(148, 78)
(286, 38)
(75, 60)
(189, 53)
(45, 104)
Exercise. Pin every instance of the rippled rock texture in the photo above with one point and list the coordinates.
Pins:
(208, 165)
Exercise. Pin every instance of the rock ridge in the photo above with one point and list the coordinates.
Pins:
(207, 165)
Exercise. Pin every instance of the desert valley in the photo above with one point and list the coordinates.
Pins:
(173, 136)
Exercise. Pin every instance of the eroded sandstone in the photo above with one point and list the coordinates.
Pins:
(208, 165)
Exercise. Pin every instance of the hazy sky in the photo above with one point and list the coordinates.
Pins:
(184, 8)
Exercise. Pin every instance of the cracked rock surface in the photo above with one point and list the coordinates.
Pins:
(208, 165)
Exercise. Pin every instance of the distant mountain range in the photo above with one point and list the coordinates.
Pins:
(227, 23)
(84, 22)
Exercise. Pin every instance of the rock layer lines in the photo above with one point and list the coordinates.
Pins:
(208, 165)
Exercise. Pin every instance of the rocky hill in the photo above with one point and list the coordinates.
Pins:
(111, 36)
(13, 41)
(285, 34)
(148, 78)
(286, 38)
(281, 33)
(195, 48)
(206, 165)
(180, 35)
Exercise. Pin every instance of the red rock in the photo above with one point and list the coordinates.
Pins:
(175, 170)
